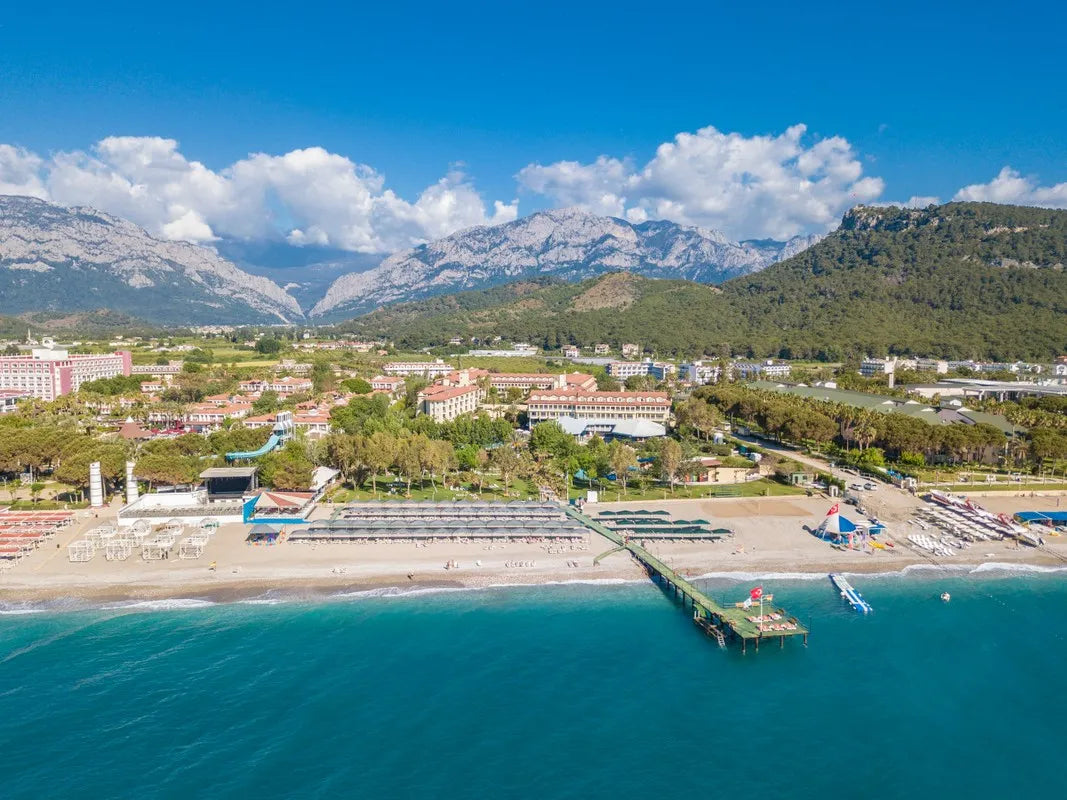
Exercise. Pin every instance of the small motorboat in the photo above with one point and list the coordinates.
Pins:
(945, 597)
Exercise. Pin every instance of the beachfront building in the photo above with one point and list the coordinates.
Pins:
(571, 352)
(50, 372)
(632, 430)
(444, 403)
(708, 470)
(425, 369)
(621, 370)
(582, 404)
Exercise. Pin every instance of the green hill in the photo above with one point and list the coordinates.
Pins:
(961, 280)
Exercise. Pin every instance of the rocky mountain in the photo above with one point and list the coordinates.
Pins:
(75, 259)
(567, 243)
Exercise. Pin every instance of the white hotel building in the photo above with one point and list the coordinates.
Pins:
(555, 404)
(428, 369)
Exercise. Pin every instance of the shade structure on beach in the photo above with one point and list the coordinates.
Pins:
(837, 524)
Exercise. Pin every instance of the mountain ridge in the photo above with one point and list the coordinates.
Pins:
(79, 259)
(963, 280)
(568, 243)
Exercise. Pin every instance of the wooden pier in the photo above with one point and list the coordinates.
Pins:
(716, 620)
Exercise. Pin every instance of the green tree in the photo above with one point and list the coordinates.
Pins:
(507, 463)
(669, 460)
(622, 459)
(288, 468)
(268, 346)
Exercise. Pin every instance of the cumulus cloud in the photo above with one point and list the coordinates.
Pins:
(1011, 187)
(20, 172)
(774, 186)
(915, 201)
(307, 196)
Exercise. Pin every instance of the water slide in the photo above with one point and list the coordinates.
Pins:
(271, 443)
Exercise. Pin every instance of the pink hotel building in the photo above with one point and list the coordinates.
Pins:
(51, 372)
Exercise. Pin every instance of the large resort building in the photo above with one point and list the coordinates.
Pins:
(445, 403)
(528, 381)
(51, 372)
(581, 404)
(426, 369)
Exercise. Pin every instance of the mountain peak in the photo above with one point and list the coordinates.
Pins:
(80, 258)
(569, 243)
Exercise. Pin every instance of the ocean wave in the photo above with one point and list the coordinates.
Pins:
(163, 604)
(15, 612)
(998, 566)
(397, 591)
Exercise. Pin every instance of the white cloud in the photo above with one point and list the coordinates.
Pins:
(308, 196)
(1011, 187)
(776, 186)
(19, 172)
(915, 201)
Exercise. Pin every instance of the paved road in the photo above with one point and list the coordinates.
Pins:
(885, 500)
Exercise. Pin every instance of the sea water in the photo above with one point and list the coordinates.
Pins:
(549, 692)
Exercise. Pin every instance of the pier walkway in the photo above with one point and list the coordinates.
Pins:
(714, 619)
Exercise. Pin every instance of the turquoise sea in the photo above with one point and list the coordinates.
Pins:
(567, 691)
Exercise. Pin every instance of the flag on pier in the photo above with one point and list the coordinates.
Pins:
(756, 593)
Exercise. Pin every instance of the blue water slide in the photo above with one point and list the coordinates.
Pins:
(271, 443)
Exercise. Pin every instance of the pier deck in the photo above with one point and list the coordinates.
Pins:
(708, 614)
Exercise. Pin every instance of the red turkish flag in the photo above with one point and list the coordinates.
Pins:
(756, 593)
(833, 509)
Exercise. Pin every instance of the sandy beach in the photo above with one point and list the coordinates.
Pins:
(770, 538)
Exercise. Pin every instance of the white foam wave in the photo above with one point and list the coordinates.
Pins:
(14, 612)
(574, 582)
(997, 566)
(166, 604)
(398, 591)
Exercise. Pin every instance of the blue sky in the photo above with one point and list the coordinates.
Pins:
(927, 97)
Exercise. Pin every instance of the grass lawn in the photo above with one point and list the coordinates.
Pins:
(44, 505)
(393, 488)
(761, 488)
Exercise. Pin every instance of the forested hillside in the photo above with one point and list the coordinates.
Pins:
(961, 280)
